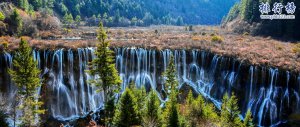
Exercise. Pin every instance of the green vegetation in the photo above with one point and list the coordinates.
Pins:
(296, 49)
(230, 112)
(23, 4)
(134, 12)
(103, 65)
(2, 16)
(216, 38)
(248, 11)
(17, 22)
(199, 112)
(25, 75)
(68, 19)
(248, 120)
(152, 111)
(127, 114)
(171, 112)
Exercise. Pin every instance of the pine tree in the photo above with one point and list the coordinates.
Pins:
(171, 114)
(248, 120)
(139, 93)
(126, 114)
(68, 18)
(25, 75)
(246, 9)
(199, 112)
(17, 22)
(78, 19)
(103, 65)
(171, 82)
(23, 4)
(230, 112)
(152, 112)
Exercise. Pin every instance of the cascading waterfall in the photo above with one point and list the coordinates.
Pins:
(270, 94)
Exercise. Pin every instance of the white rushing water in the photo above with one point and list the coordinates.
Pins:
(269, 93)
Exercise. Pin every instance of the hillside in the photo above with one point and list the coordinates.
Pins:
(135, 12)
(244, 17)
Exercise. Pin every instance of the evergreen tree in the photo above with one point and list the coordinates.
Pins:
(17, 22)
(68, 18)
(171, 114)
(171, 82)
(126, 114)
(230, 112)
(248, 120)
(103, 65)
(37, 4)
(140, 94)
(152, 111)
(199, 112)
(78, 19)
(25, 75)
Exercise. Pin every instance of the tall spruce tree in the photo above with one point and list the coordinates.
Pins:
(171, 113)
(126, 114)
(25, 74)
(171, 82)
(103, 66)
(152, 112)
(230, 112)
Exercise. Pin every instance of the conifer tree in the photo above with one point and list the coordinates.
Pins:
(171, 113)
(248, 120)
(17, 21)
(126, 114)
(152, 112)
(199, 112)
(103, 66)
(230, 112)
(25, 75)
(68, 18)
(140, 94)
(171, 82)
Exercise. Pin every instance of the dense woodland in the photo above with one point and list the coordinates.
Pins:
(135, 12)
(248, 12)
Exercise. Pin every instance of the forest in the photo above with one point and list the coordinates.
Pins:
(135, 12)
(248, 11)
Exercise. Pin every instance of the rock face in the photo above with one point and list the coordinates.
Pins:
(271, 94)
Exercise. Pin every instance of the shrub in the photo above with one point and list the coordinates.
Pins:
(245, 33)
(2, 17)
(296, 49)
(216, 38)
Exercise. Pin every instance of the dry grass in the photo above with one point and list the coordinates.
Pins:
(254, 50)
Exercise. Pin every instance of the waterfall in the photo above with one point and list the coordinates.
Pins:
(271, 94)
